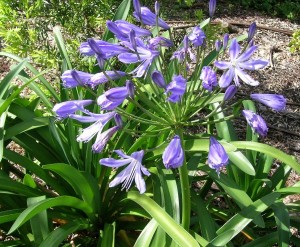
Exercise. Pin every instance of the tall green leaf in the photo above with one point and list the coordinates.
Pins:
(175, 231)
(60, 201)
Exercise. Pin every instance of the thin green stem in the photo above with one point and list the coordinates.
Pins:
(185, 190)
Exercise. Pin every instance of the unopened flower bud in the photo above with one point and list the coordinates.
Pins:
(156, 8)
(230, 92)
(130, 88)
(251, 32)
(218, 45)
(225, 40)
(212, 7)
(132, 39)
(158, 79)
(118, 120)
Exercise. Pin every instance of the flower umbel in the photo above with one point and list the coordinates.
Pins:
(134, 170)
(173, 155)
(217, 156)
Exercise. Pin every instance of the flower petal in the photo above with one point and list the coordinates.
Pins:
(246, 78)
(222, 65)
(253, 64)
(234, 49)
(226, 78)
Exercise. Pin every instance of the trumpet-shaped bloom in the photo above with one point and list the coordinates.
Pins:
(209, 78)
(64, 109)
(173, 155)
(177, 88)
(156, 42)
(147, 17)
(184, 51)
(275, 101)
(256, 122)
(217, 156)
(197, 36)
(103, 138)
(101, 49)
(133, 171)
(141, 53)
(237, 64)
(74, 78)
(115, 96)
(104, 77)
(121, 29)
(98, 120)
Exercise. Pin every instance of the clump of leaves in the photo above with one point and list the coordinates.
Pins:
(295, 42)
(26, 26)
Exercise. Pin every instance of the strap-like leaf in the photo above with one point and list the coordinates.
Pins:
(34, 209)
(175, 231)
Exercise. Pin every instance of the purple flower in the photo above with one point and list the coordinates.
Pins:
(156, 42)
(176, 87)
(181, 53)
(115, 96)
(101, 49)
(173, 155)
(102, 77)
(197, 36)
(137, 8)
(158, 79)
(217, 156)
(156, 8)
(218, 45)
(212, 7)
(103, 138)
(98, 120)
(230, 92)
(122, 29)
(142, 53)
(149, 18)
(74, 78)
(256, 122)
(109, 50)
(239, 62)
(209, 78)
(276, 101)
(64, 109)
(251, 32)
(134, 170)
(225, 40)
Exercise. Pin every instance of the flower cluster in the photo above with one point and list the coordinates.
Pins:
(167, 94)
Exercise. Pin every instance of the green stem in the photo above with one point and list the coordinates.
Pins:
(185, 191)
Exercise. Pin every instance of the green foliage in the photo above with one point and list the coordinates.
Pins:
(281, 8)
(26, 26)
(295, 42)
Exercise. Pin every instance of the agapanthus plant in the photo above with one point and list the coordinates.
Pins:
(171, 107)
(186, 99)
